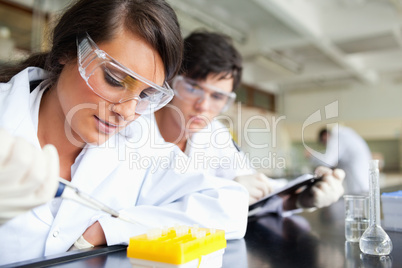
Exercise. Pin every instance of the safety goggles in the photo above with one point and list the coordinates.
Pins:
(190, 90)
(116, 83)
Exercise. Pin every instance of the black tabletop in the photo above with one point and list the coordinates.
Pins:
(310, 239)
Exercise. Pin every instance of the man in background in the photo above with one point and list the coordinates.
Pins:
(346, 150)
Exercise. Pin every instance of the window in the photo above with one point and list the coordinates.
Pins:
(254, 97)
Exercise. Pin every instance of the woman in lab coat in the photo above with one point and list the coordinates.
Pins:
(210, 72)
(127, 50)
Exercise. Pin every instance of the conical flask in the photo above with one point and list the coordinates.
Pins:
(375, 241)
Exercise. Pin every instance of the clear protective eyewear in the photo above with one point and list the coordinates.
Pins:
(115, 83)
(189, 89)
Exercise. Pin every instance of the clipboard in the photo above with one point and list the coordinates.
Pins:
(306, 180)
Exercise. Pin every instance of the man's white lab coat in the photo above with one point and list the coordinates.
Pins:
(347, 150)
(212, 151)
(123, 174)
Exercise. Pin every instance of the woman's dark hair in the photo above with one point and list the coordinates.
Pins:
(153, 20)
(207, 53)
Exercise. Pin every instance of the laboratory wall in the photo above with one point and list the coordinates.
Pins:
(373, 111)
(262, 136)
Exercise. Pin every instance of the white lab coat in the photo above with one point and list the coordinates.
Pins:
(221, 157)
(210, 150)
(122, 174)
(347, 150)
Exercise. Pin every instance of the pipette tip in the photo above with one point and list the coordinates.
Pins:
(127, 218)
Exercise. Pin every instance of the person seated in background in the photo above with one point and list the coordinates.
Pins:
(109, 63)
(210, 73)
(346, 150)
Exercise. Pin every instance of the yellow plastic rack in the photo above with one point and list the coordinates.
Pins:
(177, 245)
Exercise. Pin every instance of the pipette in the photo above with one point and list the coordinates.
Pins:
(375, 241)
(69, 191)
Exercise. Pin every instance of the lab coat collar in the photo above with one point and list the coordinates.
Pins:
(18, 103)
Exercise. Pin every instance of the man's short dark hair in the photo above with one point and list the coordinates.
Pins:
(321, 134)
(207, 53)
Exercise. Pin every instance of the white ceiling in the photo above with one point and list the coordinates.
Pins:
(299, 44)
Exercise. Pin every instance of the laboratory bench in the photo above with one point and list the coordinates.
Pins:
(309, 239)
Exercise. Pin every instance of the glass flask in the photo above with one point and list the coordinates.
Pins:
(375, 241)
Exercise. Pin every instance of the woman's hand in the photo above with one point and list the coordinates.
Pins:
(93, 236)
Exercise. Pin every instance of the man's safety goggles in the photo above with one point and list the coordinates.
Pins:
(188, 89)
(116, 83)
